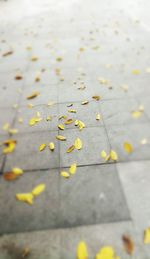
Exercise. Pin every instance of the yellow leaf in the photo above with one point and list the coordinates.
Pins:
(30, 105)
(113, 155)
(42, 147)
(85, 102)
(13, 131)
(78, 143)
(38, 189)
(76, 123)
(81, 124)
(98, 116)
(49, 118)
(82, 252)
(10, 146)
(62, 117)
(6, 126)
(61, 127)
(65, 174)
(69, 121)
(135, 72)
(33, 95)
(72, 111)
(60, 137)
(70, 149)
(17, 170)
(34, 120)
(51, 146)
(103, 154)
(106, 253)
(147, 236)
(128, 147)
(25, 197)
(34, 58)
(73, 168)
(136, 114)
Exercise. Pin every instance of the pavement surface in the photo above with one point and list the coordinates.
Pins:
(66, 52)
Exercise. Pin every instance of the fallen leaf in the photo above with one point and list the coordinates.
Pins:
(70, 149)
(85, 102)
(25, 197)
(10, 176)
(38, 190)
(96, 97)
(33, 95)
(73, 168)
(42, 147)
(65, 174)
(113, 155)
(82, 252)
(49, 118)
(10, 146)
(147, 236)
(59, 59)
(34, 120)
(61, 127)
(98, 116)
(62, 117)
(60, 137)
(135, 72)
(25, 252)
(18, 77)
(136, 114)
(51, 146)
(72, 111)
(128, 147)
(69, 121)
(70, 105)
(8, 53)
(34, 58)
(106, 252)
(78, 143)
(128, 244)
(17, 171)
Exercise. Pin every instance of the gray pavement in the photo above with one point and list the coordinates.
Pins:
(68, 52)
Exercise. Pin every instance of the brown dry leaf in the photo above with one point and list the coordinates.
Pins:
(128, 244)
(85, 102)
(37, 79)
(18, 77)
(61, 127)
(33, 95)
(8, 53)
(78, 143)
(25, 252)
(70, 149)
(69, 121)
(147, 236)
(65, 174)
(73, 168)
(25, 197)
(96, 97)
(10, 176)
(128, 147)
(60, 137)
(51, 146)
(42, 147)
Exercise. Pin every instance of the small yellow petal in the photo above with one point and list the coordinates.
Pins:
(51, 146)
(25, 197)
(147, 236)
(82, 252)
(61, 127)
(42, 147)
(17, 170)
(38, 189)
(128, 147)
(98, 116)
(60, 137)
(73, 168)
(65, 174)
(113, 155)
(78, 143)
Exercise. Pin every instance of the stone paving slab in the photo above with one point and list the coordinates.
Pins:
(27, 155)
(63, 243)
(64, 203)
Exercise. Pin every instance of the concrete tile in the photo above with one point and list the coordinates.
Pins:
(105, 203)
(86, 113)
(133, 135)
(27, 156)
(43, 214)
(120, 112)
(27, 113)
(99, 236)
(94, 140)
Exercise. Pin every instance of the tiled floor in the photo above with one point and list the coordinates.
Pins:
(68, 52)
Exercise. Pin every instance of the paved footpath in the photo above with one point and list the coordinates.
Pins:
(66, 52)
